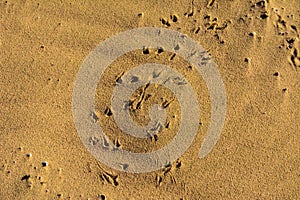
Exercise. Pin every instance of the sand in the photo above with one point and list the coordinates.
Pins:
(255, 45)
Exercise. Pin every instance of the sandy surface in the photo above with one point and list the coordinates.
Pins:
(256, 47)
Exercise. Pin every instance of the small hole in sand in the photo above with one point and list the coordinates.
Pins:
(207, 17)
(165, 22)
(26, 177)
(146, 51)
(252, 34)
(108, 112)
(264, 16)
(45, 163)
(160, 50)
(174, 18)
(284, 89)
(172, 56)
(246, 60)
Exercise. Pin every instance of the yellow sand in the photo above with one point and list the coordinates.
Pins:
(256, 47)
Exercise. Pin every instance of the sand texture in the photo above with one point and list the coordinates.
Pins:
(255, 45)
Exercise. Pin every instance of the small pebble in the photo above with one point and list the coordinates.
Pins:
(28, 155)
